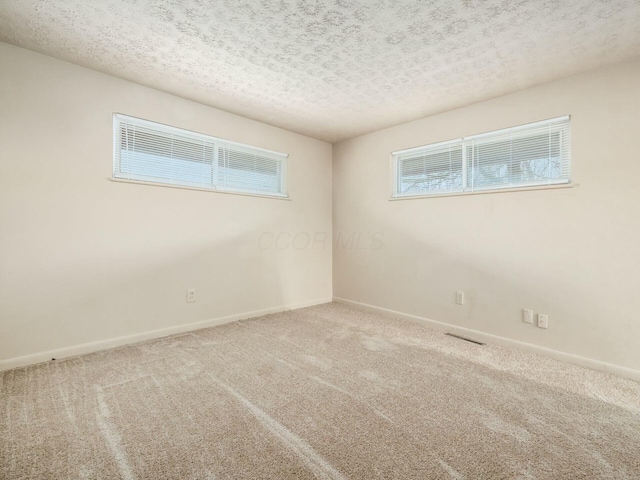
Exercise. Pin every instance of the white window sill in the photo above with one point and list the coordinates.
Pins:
(212, 190)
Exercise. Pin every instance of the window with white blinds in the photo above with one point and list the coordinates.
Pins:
(151, 152)
(535, 154)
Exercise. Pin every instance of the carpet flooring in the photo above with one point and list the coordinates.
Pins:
(324, 392)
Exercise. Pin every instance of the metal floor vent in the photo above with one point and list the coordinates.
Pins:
(464, 338)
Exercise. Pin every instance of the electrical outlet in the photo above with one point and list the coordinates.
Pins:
(191, 295)
(460, 297)
(543, 321)
(527, 315)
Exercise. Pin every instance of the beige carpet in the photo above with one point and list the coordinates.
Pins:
(325, 392)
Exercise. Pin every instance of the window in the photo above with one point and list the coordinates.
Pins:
(151, 152)
(530, 155)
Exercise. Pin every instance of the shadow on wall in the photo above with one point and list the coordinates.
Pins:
(145, 289)
(422, 263)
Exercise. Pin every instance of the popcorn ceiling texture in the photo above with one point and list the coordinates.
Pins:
(324, 392)
(330, 69)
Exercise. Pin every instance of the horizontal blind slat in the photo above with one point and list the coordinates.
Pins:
(158, 153)
(526, 155)
(435, 169)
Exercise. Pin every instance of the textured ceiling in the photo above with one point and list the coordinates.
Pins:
(331, 69)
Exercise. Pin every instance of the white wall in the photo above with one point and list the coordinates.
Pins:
(571, 253)
(84, 259)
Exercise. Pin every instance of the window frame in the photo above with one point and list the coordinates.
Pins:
(564, 126)
(218, 145)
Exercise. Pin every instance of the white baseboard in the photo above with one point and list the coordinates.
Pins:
(138, 337)
(488, 337)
